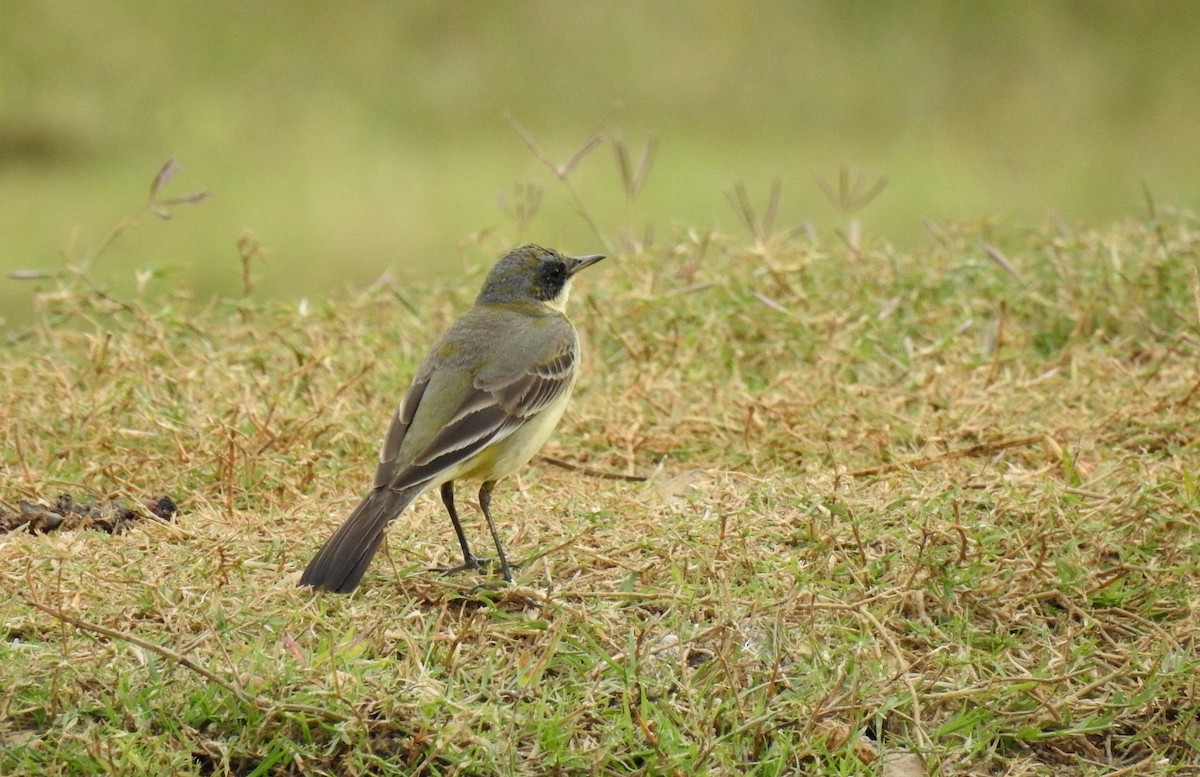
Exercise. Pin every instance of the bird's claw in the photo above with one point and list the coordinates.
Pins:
(482, 564)
(469, 564)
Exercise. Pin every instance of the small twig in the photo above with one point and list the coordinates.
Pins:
(693, 289)
(772, 304)
(974, 450)
(260, 703)
(596, 473)
(1141, 767)
(524, 205)
(166, 653)
(997, 256)
(556, 548)
(759, 228)
(563, 171)
(159, 206)
(250, 251)
(851, 196)
(633, 178)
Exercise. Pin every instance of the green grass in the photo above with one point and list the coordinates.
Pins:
(936, 503)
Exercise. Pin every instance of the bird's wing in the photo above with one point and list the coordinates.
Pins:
(497, 402)
(399, 428)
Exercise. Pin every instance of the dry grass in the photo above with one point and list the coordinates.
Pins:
(940, 504)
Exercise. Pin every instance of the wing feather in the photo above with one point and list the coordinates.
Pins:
(530, 392)
(492, 409)
(398, 430)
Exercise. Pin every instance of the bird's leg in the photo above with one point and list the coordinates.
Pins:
(485, 500)
(469, 560)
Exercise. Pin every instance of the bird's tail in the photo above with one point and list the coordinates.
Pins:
(341, 563)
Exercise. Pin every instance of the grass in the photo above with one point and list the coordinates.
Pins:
(903, 513)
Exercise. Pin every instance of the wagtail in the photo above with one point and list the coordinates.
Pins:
(486, 398)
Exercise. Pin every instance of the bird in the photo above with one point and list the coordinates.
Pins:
(487, 397)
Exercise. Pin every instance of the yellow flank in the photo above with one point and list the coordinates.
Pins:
(504, 457)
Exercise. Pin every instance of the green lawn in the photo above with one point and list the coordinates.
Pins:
(895, 512)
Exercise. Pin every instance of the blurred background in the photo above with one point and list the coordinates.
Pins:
(352, 139)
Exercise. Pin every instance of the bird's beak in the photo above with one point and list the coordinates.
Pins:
(585, 261)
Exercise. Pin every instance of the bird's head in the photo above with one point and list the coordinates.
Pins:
(531, 273)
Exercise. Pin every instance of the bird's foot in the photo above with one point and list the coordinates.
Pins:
(466, 566)
(482, 564)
